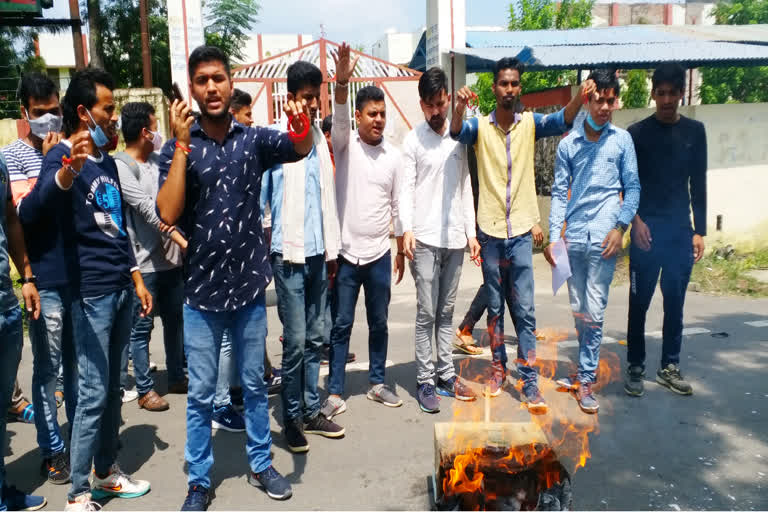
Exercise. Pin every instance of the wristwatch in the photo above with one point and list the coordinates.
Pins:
(621, 227)
(27, 280)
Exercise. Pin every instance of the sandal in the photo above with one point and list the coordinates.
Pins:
(461, 343)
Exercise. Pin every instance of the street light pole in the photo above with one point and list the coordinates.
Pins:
(77, 35)
(146, 59)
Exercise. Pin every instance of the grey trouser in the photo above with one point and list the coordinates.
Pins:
(437, 272)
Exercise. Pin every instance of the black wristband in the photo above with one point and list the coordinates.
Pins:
(27, 280)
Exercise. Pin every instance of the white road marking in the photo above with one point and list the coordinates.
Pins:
(758, 323)
(351, 367)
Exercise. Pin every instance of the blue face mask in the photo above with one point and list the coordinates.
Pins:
(591, 122)
(97, 134)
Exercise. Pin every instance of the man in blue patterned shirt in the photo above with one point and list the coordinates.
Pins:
(597, 162)
(210, 177)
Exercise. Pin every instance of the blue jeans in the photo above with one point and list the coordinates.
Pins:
(227, 372)
(203, 333)
(54, 353)
(167, 289)
(302, 293)
(508, 275)
(376, 280)
(588, 288)
(10, 355)
(102, 329)
(476, 309)
(671, 255)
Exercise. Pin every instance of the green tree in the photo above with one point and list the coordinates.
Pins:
(636, 94)
(17, 55)
(228, 23)
(736, 84)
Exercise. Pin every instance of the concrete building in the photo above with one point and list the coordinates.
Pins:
(397, 47)
(610, 13)
(58, 52)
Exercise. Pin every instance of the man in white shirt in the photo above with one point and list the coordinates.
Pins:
(438, 220)
(367, 184)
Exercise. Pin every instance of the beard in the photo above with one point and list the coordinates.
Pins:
(510, 102)
(218, 116)
(437, 123)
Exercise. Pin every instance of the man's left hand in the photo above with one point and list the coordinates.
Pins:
(399, 267)
(611, 244)
(698, 248)
(293, 108)
(50, 140)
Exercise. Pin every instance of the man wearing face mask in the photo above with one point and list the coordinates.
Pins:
(79, 186)
(51, 334)
(597, 162)
(158, 250)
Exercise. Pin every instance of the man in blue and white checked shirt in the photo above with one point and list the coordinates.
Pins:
(597, 162)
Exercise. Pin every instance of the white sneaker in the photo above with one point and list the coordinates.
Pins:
(129, 395)
(82, 503)
(118, 484)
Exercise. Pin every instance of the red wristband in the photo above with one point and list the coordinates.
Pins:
(298, 137)
(474, 101)
(183, 147)
(66, 160)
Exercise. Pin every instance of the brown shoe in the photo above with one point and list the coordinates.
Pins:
(153, 402)
(179, 388)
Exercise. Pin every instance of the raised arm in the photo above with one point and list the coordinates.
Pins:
(341, 125)
(461, 130)
(172, 194)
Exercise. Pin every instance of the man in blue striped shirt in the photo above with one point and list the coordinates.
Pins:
(597, 162)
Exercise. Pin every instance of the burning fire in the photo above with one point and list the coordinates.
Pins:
(564, 426)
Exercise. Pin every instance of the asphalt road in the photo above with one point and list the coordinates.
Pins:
(662, 451)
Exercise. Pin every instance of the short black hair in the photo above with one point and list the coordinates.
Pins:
(605, 79)
(302, 74)
(327, 124)
(507, 63)
(134, 117)
(35, 85)
(432, 82)
(671, 73)
(82, 91)
(366, 94)
(207, 54)
(240, 99)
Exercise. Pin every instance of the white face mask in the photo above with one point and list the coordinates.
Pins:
(44, 124)
(157, 141)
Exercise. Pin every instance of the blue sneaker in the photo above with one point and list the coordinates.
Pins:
(227, 418)
(26, 415)
(427, 398)
(14, 499)
(198, 498)
(587, 400)
(533, 400)
(276, 486)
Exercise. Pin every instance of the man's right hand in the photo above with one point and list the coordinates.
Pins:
(463, 96)
(81, 145)
(548, 255)
(181, 121)
(641, 234)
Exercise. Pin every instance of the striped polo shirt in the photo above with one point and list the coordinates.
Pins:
(24, 163)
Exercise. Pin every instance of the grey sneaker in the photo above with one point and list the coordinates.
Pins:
(333, 406)
(633, 382)
(427, 398)
(586, 399)
(381, 393)
(671, 378)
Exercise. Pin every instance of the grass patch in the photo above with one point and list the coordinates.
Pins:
(725, 272)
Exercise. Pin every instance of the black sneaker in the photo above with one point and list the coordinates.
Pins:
(56, 468)
(276, 486)
(670, 377)
(198, 498)
(294, 435)
(322, 426)
(633, 382)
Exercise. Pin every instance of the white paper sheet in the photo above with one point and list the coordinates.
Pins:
(562, 269)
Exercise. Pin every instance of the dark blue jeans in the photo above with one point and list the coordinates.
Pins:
(203, 334)
(301, 291)
(671, 255)
(10, 356)
(508, 275)
(476, 310)
(53, 349)
(376, 280)
(102, 327)
(167, 289)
